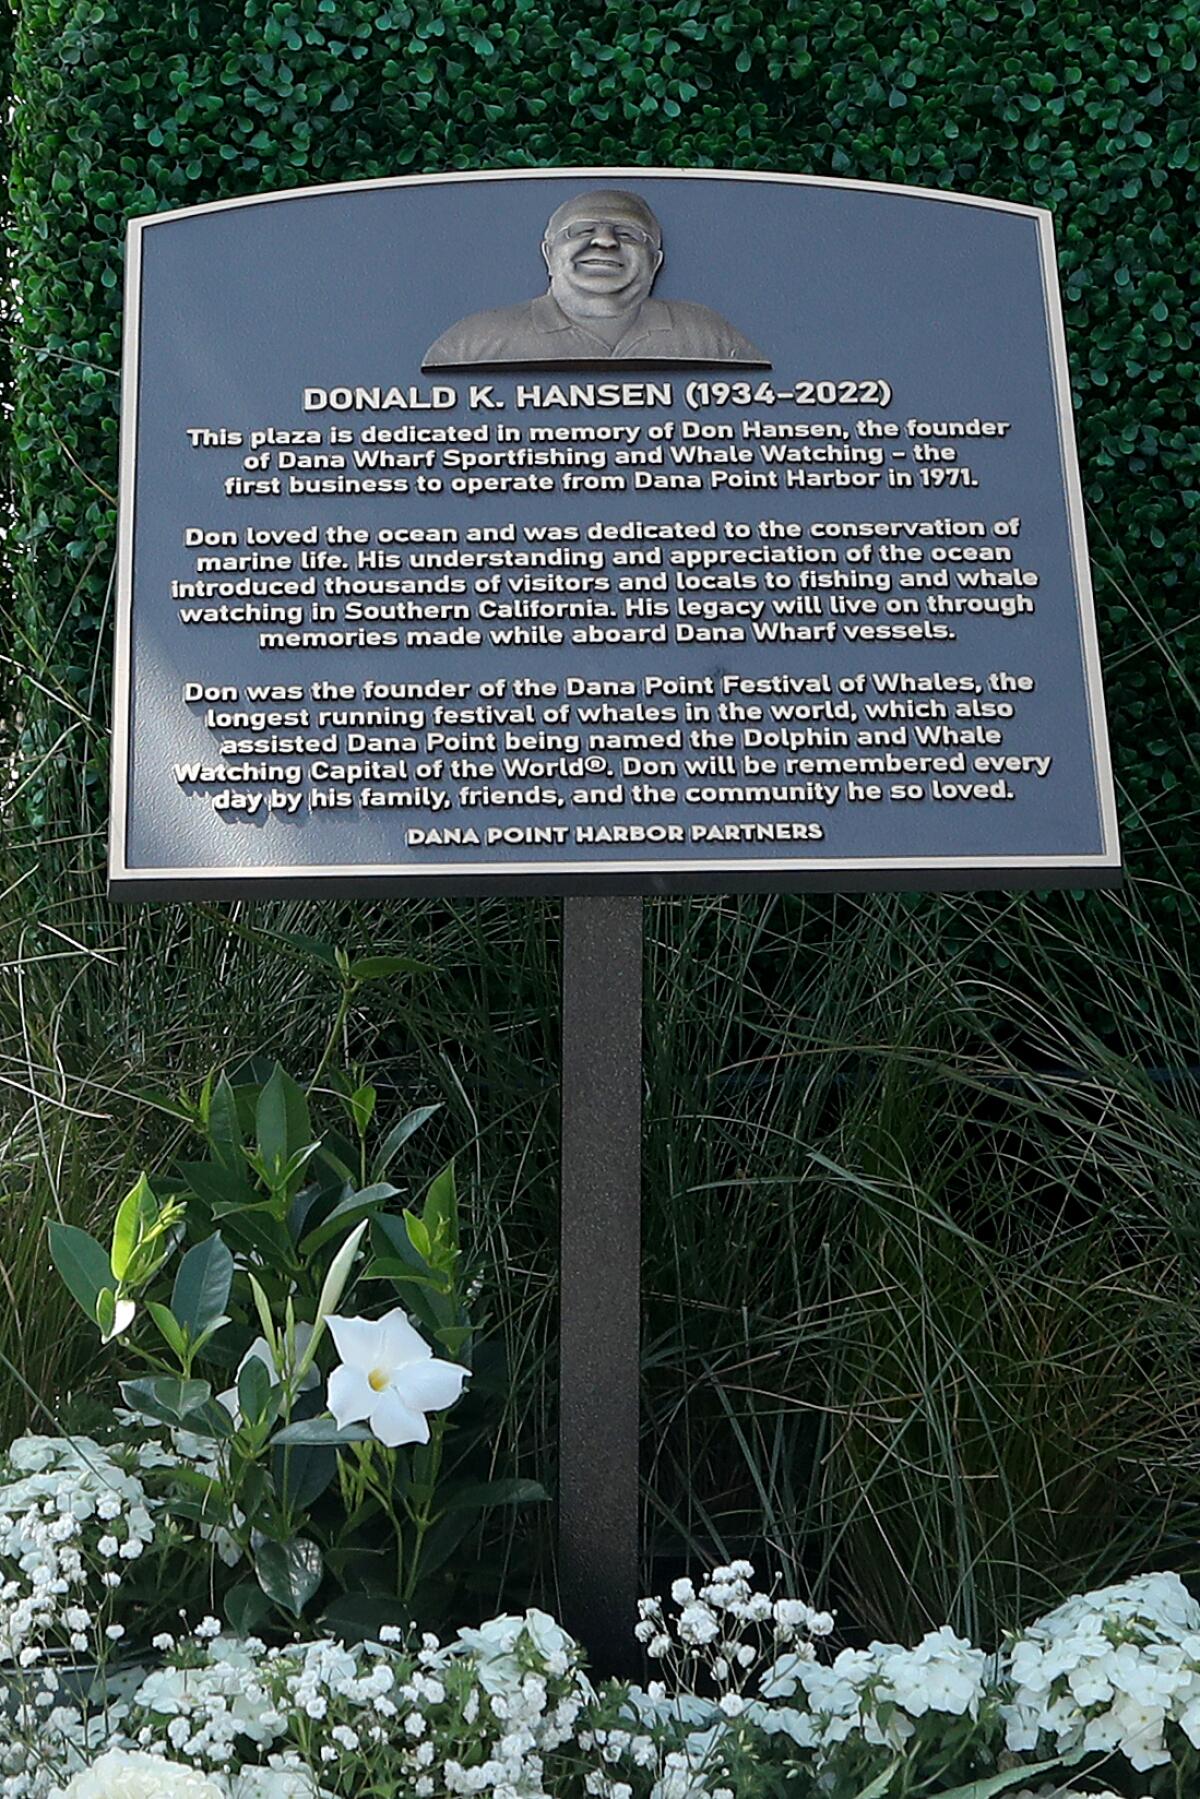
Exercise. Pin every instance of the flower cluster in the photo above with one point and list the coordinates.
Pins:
(724, 1635)
(475, 1715)
(77, 1519)
(1061, 1792)
(728, 1628)
(1107, 1686)
(72, 1517)
(883, 1692)
(1110, 1671)
(210, 1702)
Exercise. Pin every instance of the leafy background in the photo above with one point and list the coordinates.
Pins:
(922, 1325)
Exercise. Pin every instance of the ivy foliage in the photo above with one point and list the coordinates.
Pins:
(1088, 107)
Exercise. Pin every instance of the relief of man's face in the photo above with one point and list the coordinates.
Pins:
(603, 251)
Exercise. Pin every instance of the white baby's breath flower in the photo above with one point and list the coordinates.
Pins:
(697, 1624)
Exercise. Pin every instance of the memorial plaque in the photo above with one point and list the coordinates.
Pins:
(587, 531)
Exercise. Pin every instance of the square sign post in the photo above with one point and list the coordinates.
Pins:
(600, 1280)
(601, 533)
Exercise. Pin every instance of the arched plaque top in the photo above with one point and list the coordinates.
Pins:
(627, 174)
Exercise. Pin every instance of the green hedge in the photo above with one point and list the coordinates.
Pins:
(129, 106)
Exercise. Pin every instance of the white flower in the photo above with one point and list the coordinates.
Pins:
(274, 1783)
(1109, 1671)
(779, 1680)
(547, 1637)
(126, 1774)
(697, 1624)
(389, 1378)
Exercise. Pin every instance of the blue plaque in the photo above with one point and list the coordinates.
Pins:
(602, 531)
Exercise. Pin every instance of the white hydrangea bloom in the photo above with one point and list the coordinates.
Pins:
(128, 1774)
(1109, 1671)
(495, 1648)
(942, 1674)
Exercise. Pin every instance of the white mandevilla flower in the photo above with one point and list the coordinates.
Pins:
(389, 1378)
(126, 1774)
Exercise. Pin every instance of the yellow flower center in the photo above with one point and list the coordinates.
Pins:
(378, 1379)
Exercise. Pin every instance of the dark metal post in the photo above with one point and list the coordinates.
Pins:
(600, 1277)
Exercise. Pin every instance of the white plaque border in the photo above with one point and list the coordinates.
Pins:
(646, 875)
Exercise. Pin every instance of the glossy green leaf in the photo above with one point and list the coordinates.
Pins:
(877, 1788)
(168, 1328)
(164, 1398)
(247, 1608)
(320, 1433)
(106, 1312)
(224, 1128)
(348, 1212)
(253, 1228)
(82, 1263)
(418, 1235)
(993, 1784)
(312, 948)
(254, 1386)
(302, 1473)
(281, 1120)
(202, 1285)
(359, 1617)
(289, 1573)
(362, 1108)
(210, 1420)
(397, 1137)
(381, 968)
(217, 1185)
(136, 1205)
(440, 1211)
(481, 1496)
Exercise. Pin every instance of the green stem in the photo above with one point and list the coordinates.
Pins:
(348, 992)
(421, 1513)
